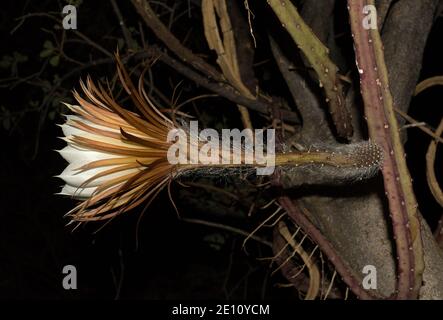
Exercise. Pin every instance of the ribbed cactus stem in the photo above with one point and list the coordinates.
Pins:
(383, 130)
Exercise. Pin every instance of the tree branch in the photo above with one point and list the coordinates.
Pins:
(161, 31)
(222, 89)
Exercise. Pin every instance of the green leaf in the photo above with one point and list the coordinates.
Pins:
(48, 44)
(19, 58)
(34, 104)
(215, 240)
(48, 49)
(46, 53)
(54, 61)
(6, 61)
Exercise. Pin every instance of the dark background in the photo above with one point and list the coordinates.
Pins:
(169, 258)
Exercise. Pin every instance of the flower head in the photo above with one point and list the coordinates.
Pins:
(117, 158)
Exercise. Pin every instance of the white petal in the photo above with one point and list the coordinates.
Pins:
(79, 156)
(77, 193)
(76, 179)
(70, 131)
